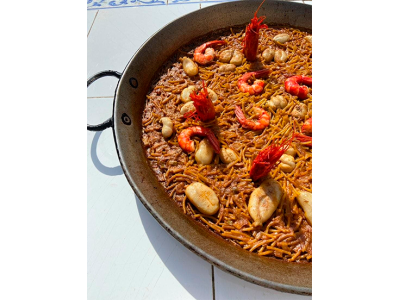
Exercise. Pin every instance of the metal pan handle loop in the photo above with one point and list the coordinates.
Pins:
(107, 123)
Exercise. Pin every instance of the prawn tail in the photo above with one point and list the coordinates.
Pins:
(262, 72)
(240, 115)
(304, 139)
(306, 80)
(213, 141)
(217, 43)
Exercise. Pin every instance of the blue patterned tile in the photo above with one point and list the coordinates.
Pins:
(183, 1)
(101, 4)
(98, 4)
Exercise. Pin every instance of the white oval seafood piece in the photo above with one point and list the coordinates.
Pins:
(291, 151)
(277, 102)
(212, 95)
(227, 155)
(226, 55)
(227, 68)
(281, 38)
(287, 163)
(280, 56)
(299, 111)
(305, 200)
(205, 153)
(264, 200)
(190, 67)
(203, 198)
(268, 54)
(237, 58)
(168, 127)
(185, 95)
(189, 106)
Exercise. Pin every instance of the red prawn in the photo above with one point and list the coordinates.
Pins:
(305, 137)
(204, 54)
(263, 119)
(258, 85)
(268, 159)
(204, 106)
(187, 144)
(307, 127)
(250, 44)
(292, 86)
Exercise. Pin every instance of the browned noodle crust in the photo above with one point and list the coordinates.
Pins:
(286, 235)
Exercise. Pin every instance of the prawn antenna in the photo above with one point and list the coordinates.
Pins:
(255, 14)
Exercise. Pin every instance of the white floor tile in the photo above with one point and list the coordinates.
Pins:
(106, 4)
(129, 255)
(91, 14)
(229, 287)
(118, 33)
(99, 109)
(182, 1)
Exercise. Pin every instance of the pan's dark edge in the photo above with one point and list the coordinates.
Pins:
(220, 264)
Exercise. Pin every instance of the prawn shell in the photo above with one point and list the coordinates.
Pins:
(187, 144)
(250, 44)
(268, 158)
(292, 86)
(307, 127)
(204, 106)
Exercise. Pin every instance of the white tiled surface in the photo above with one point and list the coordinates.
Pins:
(129, 255)
(118, 33)
(91, 14)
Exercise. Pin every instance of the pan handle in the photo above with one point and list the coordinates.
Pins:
(107, 123)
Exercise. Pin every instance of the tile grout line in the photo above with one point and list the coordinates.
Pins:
(92, 24)
(213, 282)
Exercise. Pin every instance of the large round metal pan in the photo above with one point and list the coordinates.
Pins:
(129, 103)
